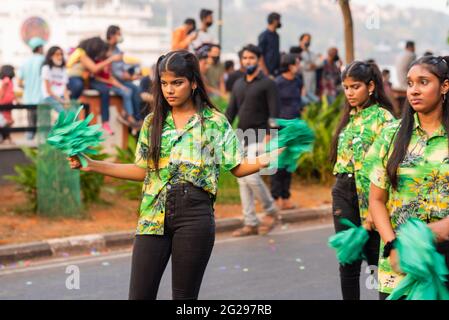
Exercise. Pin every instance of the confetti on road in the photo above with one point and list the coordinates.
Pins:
(222, 268)
(237, 266)
(271, 241)
(302, 268)
(29, 283)
(245, 269)
(298, 260)
(105, 263)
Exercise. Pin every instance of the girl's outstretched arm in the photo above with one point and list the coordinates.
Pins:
(250, 166)
(127, 171)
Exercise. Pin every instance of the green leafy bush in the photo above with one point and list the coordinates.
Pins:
(91, 182)
(131, 189)
(26, 179)
(322, 118)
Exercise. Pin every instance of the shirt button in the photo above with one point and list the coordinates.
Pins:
(168, 186)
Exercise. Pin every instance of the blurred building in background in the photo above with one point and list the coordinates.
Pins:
(66, 22)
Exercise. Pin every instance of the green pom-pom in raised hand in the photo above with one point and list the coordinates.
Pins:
(296, 137)
(75, 137)
(349, 244)
(425, 268)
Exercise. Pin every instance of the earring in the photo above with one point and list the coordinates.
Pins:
(193, 92)
(371, 93)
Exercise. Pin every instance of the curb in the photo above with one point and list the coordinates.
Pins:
(94, 242)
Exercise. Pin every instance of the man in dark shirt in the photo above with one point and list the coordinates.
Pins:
(289, 85)
(255, 100)
(269, 44)
(234, 76)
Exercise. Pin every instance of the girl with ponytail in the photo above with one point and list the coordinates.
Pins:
(182, 145)
(409, 175)
(367, 111)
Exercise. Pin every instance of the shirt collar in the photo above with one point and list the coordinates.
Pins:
(206, 113)
(417, 127)
(259, 76)
(364, 111)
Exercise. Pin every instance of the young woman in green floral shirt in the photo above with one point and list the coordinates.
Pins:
(182, 146)
(366, 112)
(410, 166)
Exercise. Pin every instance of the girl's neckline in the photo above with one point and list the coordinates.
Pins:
(182, 129)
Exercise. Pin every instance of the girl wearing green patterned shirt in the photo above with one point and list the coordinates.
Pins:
(366, 112)
(410, 166)
(182, 146)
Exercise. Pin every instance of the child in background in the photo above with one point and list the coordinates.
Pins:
(105, 76)
(7, 97)
(55, 79)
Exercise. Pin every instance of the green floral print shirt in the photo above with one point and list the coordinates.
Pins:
(353, 143)
(195, 155)
(423, 183)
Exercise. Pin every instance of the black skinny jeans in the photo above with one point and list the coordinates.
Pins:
(345, 205)
(189, 236)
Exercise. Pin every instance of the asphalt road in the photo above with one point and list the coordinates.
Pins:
(293, 263)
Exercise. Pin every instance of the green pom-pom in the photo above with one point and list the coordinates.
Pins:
(75, 137)
(425, 268)
(296, 136)
(349, 244)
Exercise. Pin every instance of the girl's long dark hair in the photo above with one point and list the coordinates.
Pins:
(48, 58)
(364, 72)
(183, 64)
(438, 66)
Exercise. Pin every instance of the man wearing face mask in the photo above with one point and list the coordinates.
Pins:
(204, 37)
(255, 100)
(269, 45)
(309, 65)
(122, 71)
(215, 72)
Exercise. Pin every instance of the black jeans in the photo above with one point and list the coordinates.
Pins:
(189, 236)
(345, 205)
(280, 184)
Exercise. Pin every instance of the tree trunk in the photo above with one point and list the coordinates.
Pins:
(348, 29)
